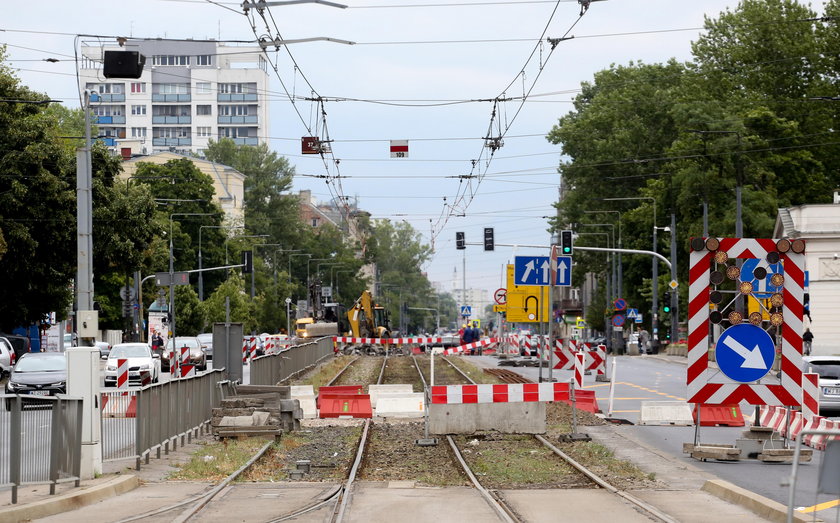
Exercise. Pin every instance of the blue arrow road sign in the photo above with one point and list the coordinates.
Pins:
(466, 311)
(532, 270)
(745, 353)
(564, 271)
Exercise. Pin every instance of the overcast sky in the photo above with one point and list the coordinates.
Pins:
(411, 60)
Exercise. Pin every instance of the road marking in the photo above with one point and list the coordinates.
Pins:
(821, 506)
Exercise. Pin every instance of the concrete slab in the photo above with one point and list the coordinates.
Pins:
(405, 405)
(666, 413)
(696, 506)
(376, 391)
(305, 394)
(592, 506)
(376, 503)
(267, 501)
(508, 418)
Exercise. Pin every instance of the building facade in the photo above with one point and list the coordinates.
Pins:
(819, 226)
(189, 92)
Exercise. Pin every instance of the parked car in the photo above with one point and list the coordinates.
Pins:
(7, 357)
(828, 367)
(197, 356)
(38, 374)
(140, 359)
(104, 348)
(206, 340)
(20, 343)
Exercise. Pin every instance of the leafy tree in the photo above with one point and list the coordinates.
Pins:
(36, 205)
(242, 308)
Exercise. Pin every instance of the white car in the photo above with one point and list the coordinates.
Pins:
(140, 360)
(7, 357)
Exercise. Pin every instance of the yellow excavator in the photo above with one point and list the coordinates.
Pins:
(369, 320)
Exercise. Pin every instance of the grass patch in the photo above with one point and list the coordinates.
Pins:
(216, 461)
(598, 457)
(475, 372)
(324, 373)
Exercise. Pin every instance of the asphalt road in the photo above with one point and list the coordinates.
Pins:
(650, 378)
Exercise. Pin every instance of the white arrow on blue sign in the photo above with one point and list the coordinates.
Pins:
(745, 353)
(763, 288)
(536, 270)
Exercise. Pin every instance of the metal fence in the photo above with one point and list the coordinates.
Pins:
(40, 441)
(290, 362)
(137, 422)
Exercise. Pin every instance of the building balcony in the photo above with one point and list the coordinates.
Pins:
(110, 120)
(110, 142)
(171, 98)
(171, 119)
(106, 98)
(237, 97)
(245, 141)
(169, 142)
(237, 119)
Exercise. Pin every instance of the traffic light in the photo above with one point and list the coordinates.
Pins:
(666, 308)
(247, 262)
(489, 243)
(566, 247)
(460, 242)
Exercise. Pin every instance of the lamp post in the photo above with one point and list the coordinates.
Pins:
(654, 308)
(200, 260)
(619, 281)
(172, 270)
(288, 317)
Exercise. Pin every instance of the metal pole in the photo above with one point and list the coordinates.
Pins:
(654, 310)
(84, 225)
(674, 300)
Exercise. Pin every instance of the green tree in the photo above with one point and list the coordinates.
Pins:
(242, 308)
(37, 205)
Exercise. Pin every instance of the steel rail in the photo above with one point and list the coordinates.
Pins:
(335, 378)
(348, 485)
(501, 508)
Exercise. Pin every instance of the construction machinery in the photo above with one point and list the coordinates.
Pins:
(369, 320)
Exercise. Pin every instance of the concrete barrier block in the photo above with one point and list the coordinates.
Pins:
(510, 418)
(405, 405)
(666, 413)
(395, 388)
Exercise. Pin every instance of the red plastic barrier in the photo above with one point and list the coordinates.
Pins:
(585, 400)
(347, 405)
(333, 390)
(714, 415)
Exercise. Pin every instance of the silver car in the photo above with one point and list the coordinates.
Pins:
(7, 357)
(828, 367)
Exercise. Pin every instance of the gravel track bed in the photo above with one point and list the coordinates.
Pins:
(444, 373)
(401, 370)
(364, 371)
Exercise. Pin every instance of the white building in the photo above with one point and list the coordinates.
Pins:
(819, 226)
(189, 92)
(476, 299)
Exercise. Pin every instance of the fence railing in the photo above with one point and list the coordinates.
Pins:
(40, 441)
(289, 362)
(137, 422)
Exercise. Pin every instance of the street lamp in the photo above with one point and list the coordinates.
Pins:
(654, 308)
(288, 317)
(172, 269)
(200, 261)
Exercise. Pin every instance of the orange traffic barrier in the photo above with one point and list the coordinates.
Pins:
(338, 389)
(346, 405)
(714, 415)
(585, 400)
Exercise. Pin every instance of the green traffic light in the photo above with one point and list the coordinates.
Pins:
(666, 308)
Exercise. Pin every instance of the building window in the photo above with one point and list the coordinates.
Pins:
(169, 59)
(204, 59)
(203, 131)
(138, 132)
(138, 87)
(233, 110)
(314, 222)
(172, 88)
(203, 110)
(239, 88)
(138, 109)
(106, 88)
(202, 87)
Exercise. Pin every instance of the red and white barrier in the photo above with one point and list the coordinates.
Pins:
(474, 345)
(187, 370)
(383, 341)
(173, 364)
(810, 394)
(122, 373)
(595, 359)
(579, 364)
(249, 349)
(502, 393)
(120, 405)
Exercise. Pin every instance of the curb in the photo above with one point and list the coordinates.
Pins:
(764, 507)
(70, 501)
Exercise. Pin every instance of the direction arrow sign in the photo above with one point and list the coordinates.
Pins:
(532, 270)
(763, 288)
(500, 296)
(564, 271)
(745, 353)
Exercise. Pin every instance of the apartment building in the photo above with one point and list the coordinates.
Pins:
(189, 92)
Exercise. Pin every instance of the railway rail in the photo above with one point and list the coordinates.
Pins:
(337, 498)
